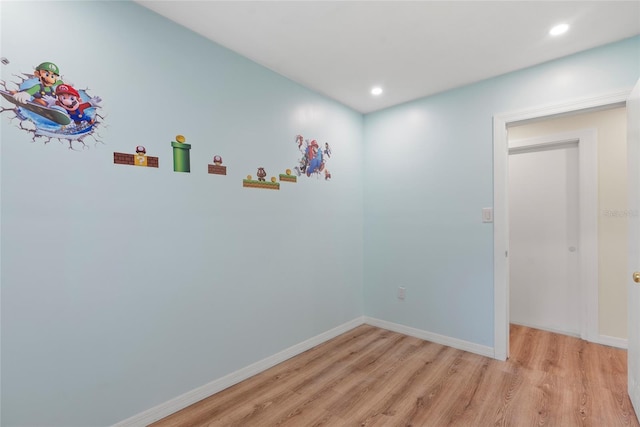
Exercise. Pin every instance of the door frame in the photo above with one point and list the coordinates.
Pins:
(633, 173)
(500, 196)
(587, 143)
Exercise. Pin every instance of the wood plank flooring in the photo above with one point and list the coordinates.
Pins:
(374, 377)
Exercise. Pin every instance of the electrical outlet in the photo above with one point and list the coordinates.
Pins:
(401, 292)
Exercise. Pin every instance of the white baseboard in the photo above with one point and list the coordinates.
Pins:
(430, 336)
(174, 405)
(165, 409)
(613, 341)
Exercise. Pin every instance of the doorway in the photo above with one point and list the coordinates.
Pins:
(501, 213)
(544, 287)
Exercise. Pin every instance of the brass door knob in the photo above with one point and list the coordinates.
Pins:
(636, 277)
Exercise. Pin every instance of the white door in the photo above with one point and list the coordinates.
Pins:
(543, 237)
(633, 154)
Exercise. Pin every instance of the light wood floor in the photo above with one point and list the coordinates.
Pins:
(373, 377)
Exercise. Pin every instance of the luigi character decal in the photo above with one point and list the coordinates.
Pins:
(54, 108)
(48, 76)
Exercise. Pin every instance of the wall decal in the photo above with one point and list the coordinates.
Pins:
(50, 108)
(261, 182)
(261, 174)
(138, 159)
(217, 167)
(181, 155)
(314, 158)
(287, 177)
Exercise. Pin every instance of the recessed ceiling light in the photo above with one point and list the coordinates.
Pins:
(559, 29)
(376, 91)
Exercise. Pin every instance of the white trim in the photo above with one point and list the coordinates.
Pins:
(500, 239)
(471, 347)
(633, 292)
(612, 341)
(500, 205)
(542, 143)
(544, 112)
(165, 409)
(588, 243)
(587, 141)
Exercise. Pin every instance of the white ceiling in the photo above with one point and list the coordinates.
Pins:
(410, 48)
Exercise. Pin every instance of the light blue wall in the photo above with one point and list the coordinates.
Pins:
(99, 324)
(124, 287)
(428, 174)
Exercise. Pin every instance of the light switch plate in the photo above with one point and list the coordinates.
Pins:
(487, 214)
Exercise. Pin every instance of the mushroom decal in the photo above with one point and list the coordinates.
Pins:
(140, 158)
(217, 160)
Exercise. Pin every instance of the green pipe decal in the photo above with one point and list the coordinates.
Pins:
(181, 159)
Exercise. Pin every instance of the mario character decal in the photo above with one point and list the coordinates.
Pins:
(69, 99)
(50, 108)
(314, 158)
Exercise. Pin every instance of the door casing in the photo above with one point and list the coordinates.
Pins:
(633, 291)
